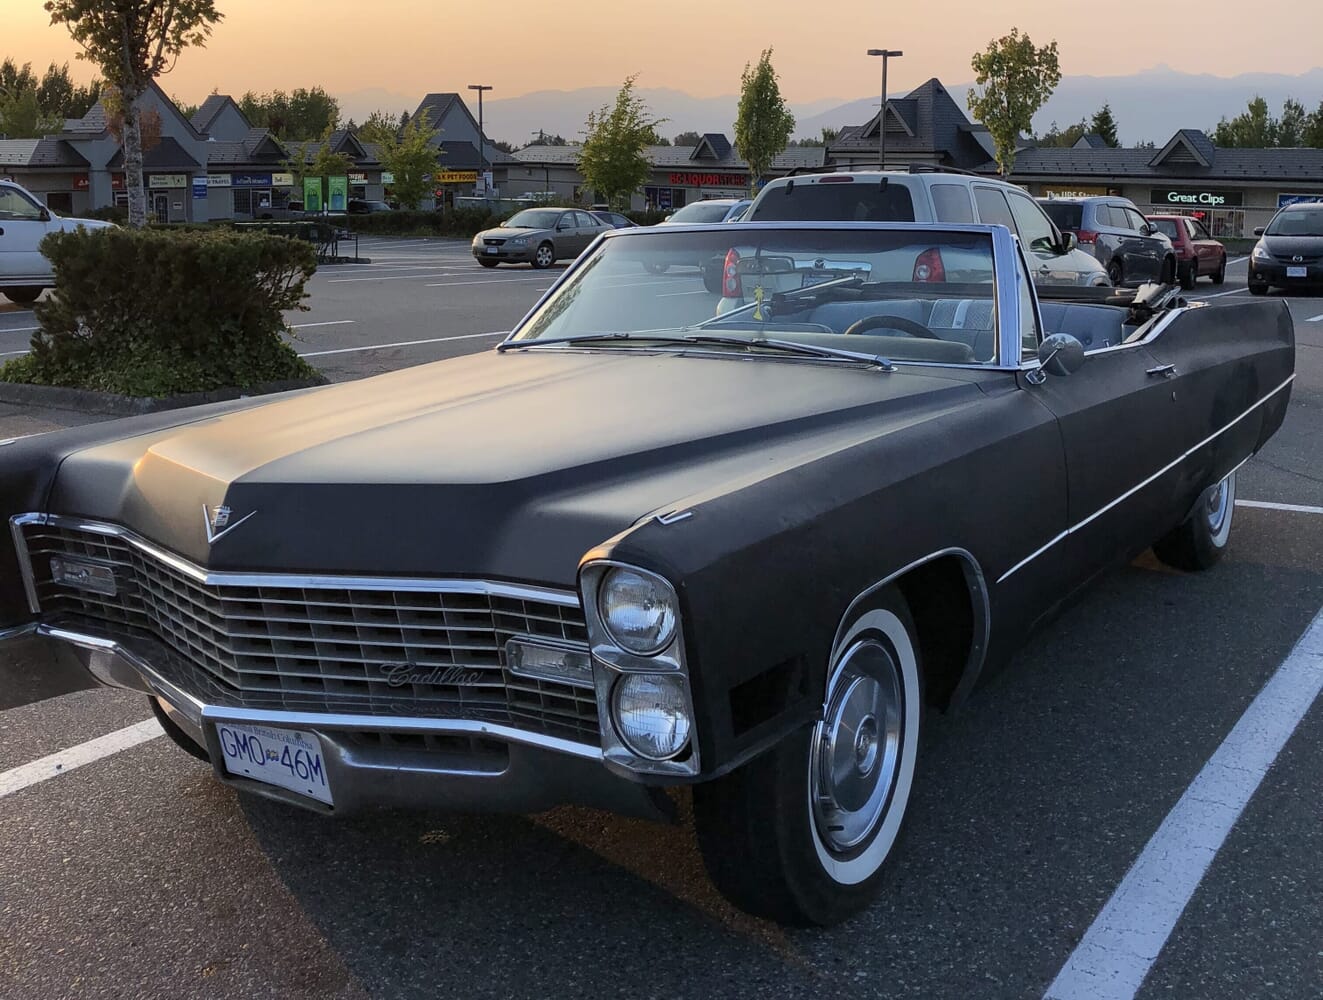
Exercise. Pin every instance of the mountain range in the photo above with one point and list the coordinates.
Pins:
(1150, 105)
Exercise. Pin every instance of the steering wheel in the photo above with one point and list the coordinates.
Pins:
(913, 328)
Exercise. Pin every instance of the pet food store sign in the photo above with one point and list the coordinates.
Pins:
(1195, 198)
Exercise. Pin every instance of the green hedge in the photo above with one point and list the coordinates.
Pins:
(646, 218)
(156, 312)
(457, 222)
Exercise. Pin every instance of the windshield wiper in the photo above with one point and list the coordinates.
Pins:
(791, 347)
(587, 338)
(852, 280)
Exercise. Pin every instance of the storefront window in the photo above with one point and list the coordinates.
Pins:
(60, 202)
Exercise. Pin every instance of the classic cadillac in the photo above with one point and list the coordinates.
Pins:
(658, 537)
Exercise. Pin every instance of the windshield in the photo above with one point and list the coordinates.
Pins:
(701, 212)
(1306, 222)
(848, 200)
(534, 218)
(1167, 227)
(921, 295)
(1068, 217)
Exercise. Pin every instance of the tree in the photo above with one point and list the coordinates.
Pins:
(134, 42)
(763, 123)
(1292, 125)
(1017, 79)
(380, 127)
(300, 116)
(687, 139)
(611, 159)
(61, 98)
(321, 162)
(1103, 124)
(1313, 132)
(1254, 128)
(1054, 137)
(412, 159)
(22, 117)
(827, 138)
(32, 107)
(543, 138)
(658, 139)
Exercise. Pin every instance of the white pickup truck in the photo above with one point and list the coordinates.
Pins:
(24, 222)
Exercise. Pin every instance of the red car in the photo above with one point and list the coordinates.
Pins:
(1197, 253)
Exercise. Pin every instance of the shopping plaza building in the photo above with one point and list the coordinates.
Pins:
(216, 165)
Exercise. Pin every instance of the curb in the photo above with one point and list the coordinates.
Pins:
(112, 404)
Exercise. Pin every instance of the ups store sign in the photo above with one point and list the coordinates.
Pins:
(1195, 198)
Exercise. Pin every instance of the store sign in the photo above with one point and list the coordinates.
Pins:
(694, 179)
(1297, 199)
(387, 177)
(1072, 190)
(218, 180)
(358, 178)
(338, 197)
(117, 182)
(168, 181)
(81, 182)
(199, 187)
(312, 194)
(282, 180)
(250, 180)
(1195, 198)
(453, 177)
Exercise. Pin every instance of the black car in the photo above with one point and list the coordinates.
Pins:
(658, 537)
(362, 206)
(1289, 253)
(1133, 249)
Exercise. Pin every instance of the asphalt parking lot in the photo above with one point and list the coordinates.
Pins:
(137, 875)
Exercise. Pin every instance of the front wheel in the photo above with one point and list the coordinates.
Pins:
(1168, 273)
(1115, 272)
(1201, 539)
(544, 256)
(487, 263)
(801, 834)
(1259, 289)
(22, 296)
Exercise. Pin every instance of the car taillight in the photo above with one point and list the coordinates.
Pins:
(730, 275)
(1086, 236)
(928, 266)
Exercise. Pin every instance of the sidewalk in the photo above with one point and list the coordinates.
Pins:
(19, 421)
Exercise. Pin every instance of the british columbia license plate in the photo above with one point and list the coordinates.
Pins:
(1297, 272)
(493, 250)
(286, 758)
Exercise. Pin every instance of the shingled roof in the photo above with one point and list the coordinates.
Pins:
(925, 123)
(677, 157)
(48, 152)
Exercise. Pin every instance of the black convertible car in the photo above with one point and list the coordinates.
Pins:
(660, 536)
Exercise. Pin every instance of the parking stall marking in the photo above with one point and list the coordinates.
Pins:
(1218, 295)
(1124, 940)
(486, 281)
(1294, 508)
(64, 761)
(1315, 319)
(329, 322)
(403, 343)
(439, 272)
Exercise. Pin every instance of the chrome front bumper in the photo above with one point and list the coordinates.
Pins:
(505, 770)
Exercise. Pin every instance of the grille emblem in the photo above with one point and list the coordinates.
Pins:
(217, 522)
(1297, 259)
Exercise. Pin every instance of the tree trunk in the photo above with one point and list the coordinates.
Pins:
(133, 179)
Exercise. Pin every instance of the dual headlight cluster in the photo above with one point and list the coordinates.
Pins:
(641, 680)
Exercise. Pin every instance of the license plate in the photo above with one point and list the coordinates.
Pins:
(1297, 272)
(286, 758)
(493, 250)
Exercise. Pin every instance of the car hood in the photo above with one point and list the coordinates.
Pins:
(1291, 246)
(504, 466)
(504, 233)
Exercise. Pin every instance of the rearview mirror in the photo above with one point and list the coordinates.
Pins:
(1258, 230)
(1060, 354)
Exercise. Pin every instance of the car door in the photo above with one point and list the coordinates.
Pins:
(1120, 426)
(23, 225)
(1208, 251)
(566, 236)
(1051, 262)
(1146, 253)
(589, 229)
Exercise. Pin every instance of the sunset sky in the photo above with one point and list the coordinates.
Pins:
(413, 46)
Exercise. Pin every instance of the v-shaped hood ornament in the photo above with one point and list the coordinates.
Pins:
(217, 522)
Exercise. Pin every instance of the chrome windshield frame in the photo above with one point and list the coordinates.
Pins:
(1005, 252)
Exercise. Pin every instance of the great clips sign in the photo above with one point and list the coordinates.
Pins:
(687, 178)
(1195, 198)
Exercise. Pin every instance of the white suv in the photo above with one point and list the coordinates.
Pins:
(24, 223)
(930, 196)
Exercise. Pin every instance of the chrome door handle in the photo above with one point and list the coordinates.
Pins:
(1163, 371)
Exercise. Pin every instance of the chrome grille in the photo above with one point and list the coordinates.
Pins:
(348, 650)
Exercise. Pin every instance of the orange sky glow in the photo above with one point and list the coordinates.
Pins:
(409, 47)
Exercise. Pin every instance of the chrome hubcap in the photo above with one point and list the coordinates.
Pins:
(1217, 505)
(543, 256)
(856, 747)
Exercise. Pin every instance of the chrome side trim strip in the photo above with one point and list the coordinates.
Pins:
(290, 580)
(24, 561)
(18, 632)
(201, 714)
(1157, 475)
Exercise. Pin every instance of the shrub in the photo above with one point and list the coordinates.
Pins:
(646, 218)
(157, 312)
(458, 222)
(107, 213)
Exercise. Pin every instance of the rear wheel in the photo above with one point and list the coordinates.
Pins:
(1189, 274)
(1200, 540)
(23, 296)
(801, 834)
(1220, 275)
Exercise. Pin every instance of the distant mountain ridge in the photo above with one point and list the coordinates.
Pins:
(1150, 105)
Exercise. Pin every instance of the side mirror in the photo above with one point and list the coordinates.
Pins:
(1148, 229)
(1069, 241)
(45, 215)
(1258, 230)
(1060, 354)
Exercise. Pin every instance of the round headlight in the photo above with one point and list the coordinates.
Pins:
(652, 715)
(638, 610)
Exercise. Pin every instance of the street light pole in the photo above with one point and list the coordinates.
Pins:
(882, 114)
(482, 136)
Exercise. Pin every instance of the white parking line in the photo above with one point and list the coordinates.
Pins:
(1125, 939)
(488, 281)
(1315, 319)
(6, 354)
(19, 329)
(437, 272)
(329, 322)
(1269, 505)
(56, 764)
(1238, 260)
(1218, 295)
(403, 343)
